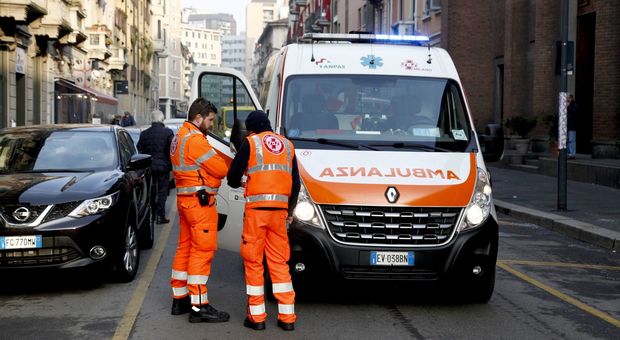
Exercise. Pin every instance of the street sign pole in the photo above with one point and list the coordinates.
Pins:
(562, 131)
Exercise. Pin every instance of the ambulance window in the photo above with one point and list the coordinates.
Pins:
(457, 117)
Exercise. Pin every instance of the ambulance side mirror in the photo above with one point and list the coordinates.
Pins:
(492, 142)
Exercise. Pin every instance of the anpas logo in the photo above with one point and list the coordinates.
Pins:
(344, 171)
(273, 144)
(324, 63)
(173, 145)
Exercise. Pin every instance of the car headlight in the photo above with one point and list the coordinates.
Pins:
(305, 211)
(479, 207)
(94, 206)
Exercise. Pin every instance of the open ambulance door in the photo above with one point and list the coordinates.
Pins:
(226, 87)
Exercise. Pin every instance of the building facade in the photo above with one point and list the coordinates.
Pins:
(73, 61)
(204, 44)
(233, 52)
(169, 58)
(507, 58)
(223, 22)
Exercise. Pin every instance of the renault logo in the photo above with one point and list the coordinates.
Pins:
(21, 214)
(392, 195)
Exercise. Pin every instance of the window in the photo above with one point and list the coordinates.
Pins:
(94, 39)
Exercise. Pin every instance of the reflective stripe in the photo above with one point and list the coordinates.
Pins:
(205, 157)
(179, 291)
(182, 156)
(269, 167)
(191, 190)
(185, 167)
(288, 152)
(266, 197)
(286, 309)
(197, 279)
(259, 149)
(199, 299)
(178, 275)
(255, 290)
(258, 309)
(282, 287)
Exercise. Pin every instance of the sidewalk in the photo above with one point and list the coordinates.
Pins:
(593, 211)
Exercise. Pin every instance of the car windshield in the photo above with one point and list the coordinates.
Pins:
(377, 111)
(44, 151)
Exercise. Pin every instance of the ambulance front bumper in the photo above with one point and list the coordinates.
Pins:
(315, 253)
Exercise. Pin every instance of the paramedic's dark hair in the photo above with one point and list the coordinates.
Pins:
(202, 107)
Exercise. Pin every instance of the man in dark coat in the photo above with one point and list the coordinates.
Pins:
(155, 141)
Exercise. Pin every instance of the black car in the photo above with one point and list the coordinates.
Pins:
(74, 196)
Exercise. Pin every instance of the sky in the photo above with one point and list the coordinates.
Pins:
(234, 7)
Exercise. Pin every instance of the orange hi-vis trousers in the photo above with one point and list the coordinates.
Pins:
(197, 244)
(264, 232)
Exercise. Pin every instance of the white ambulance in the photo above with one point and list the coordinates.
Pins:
(394, 186)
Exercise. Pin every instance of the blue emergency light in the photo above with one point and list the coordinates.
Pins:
(365, 38)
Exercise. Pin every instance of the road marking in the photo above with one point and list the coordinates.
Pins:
(123, 330)
(591, 310)
(561, 264)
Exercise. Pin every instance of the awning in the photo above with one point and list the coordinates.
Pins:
(101, 97)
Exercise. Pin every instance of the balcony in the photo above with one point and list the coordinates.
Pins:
(159, 47)
(118, 61)
(23, 11)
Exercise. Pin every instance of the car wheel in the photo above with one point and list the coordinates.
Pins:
(147, 234)
(129, 259)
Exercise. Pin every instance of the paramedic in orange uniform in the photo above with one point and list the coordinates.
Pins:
(268, 160)
(198, 171)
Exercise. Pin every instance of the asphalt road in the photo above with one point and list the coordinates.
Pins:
(547, 286)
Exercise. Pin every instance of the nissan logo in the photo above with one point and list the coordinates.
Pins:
(392, 195)
(21, 214)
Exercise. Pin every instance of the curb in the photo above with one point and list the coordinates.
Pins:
(582, 231)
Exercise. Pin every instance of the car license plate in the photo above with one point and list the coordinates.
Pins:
(20, 242)
(391, 258)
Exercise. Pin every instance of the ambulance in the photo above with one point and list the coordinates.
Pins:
(394, 184)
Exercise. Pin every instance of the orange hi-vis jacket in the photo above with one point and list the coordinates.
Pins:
(195, 163)
(269, 171)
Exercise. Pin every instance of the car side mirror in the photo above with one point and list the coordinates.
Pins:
(139, 161)
(238, 134)
(492, 142)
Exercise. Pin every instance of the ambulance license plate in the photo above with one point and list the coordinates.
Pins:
(391, 258)
(20, 242)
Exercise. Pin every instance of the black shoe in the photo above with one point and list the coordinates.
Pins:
(181, 306)
(257, 326)
(162, 220)
(287, 326)
(206, 313)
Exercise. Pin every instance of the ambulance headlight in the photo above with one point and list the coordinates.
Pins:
(305, 211)
(479, 207)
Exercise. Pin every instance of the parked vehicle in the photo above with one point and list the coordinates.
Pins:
(74, 196)
(394, 186)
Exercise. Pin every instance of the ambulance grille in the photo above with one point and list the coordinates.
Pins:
(397, 226)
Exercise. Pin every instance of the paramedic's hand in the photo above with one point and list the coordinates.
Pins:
(289, 219)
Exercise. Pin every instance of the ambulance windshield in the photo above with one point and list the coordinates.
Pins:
(377, 111)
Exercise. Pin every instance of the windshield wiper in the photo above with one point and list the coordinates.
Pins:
(403, 145)
(331, 142)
